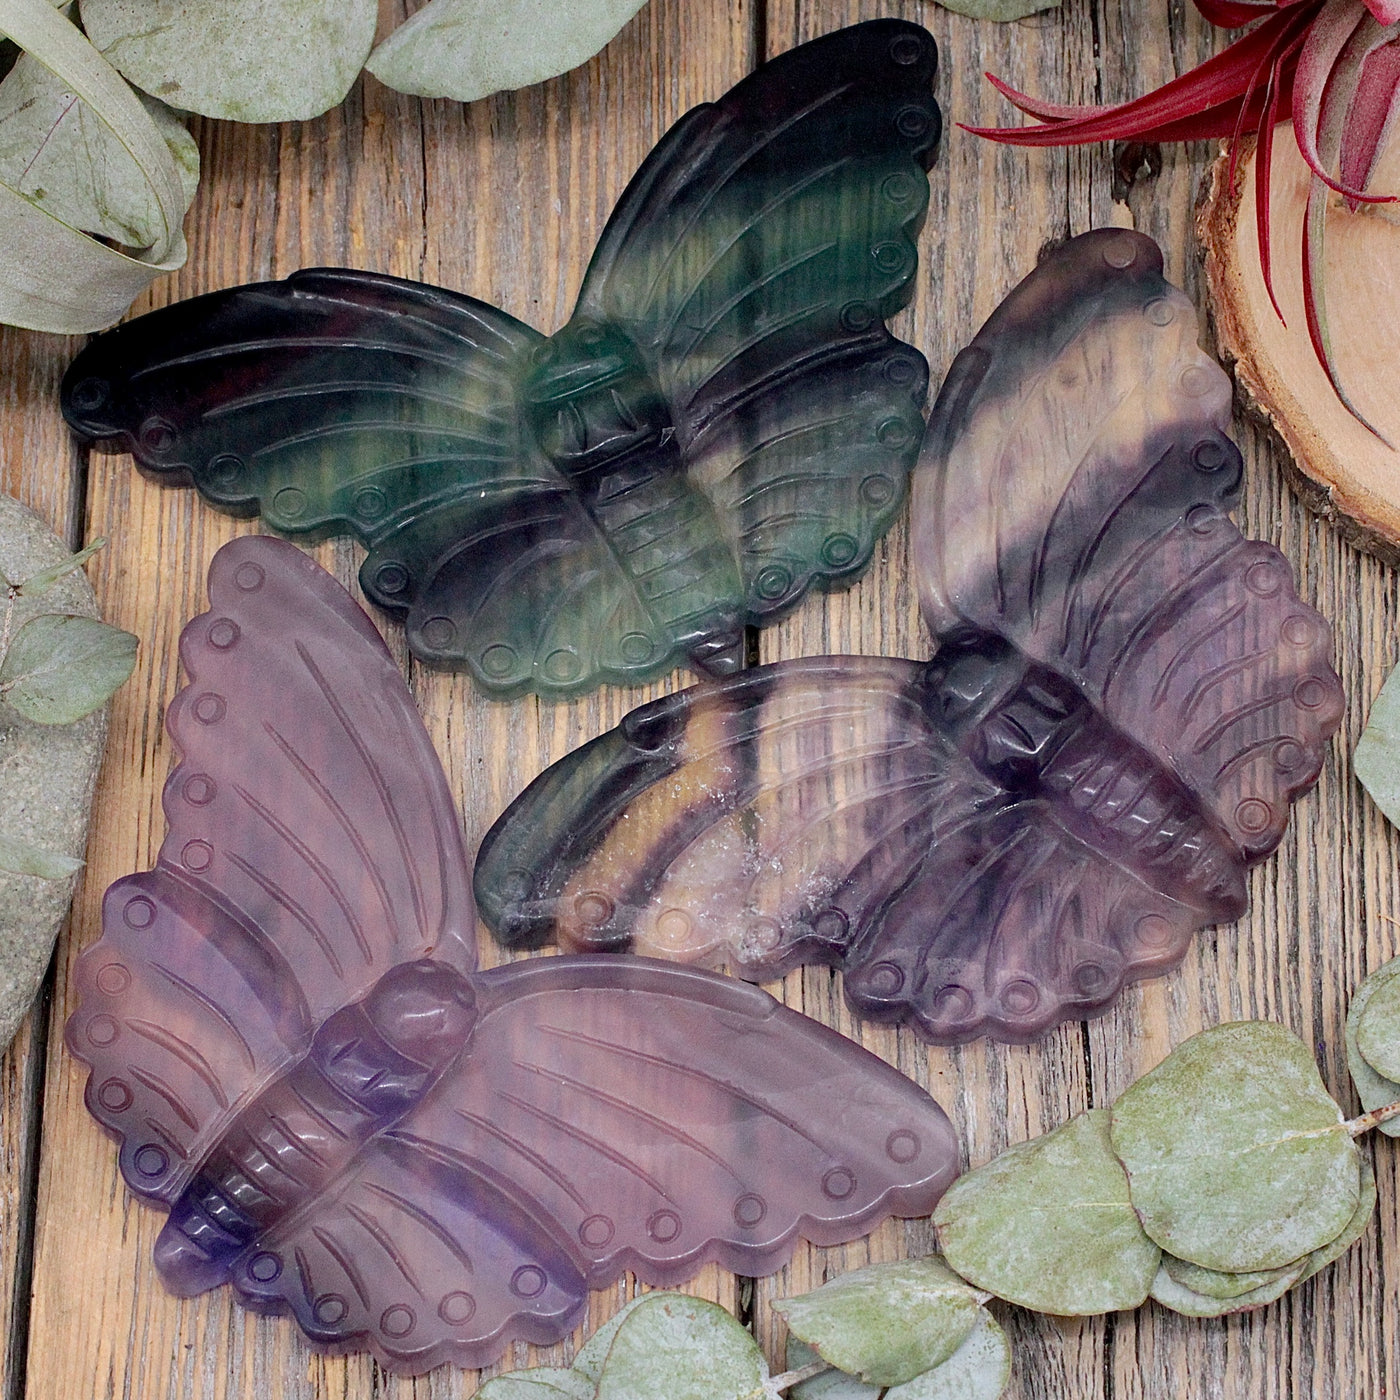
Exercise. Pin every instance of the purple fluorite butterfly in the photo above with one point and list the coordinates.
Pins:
(1126, 697)
(346, 1120)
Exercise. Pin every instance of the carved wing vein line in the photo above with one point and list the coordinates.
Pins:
(753, 289)
(1007, 892)
(1088, 552)
(331, 387)
(341, 1255)
(699, 215)
(315, 864)
(780, 483)
(541, 1164)
(588, 1140)
(377, 1233)
(1171, 605)
(469, 442)
(295, 1141)
(275, 892)
(1185, 653)
(314, 1112)
(279, 343)
(184, 1052)
(788, 435)
(386, 800)
(761, 333)
(632, 1111)
(627, 1052)
(1238, 716)
(432, 1226)
(1212, 680)
(1250, 754)
(158, 1086)
(210, 1005)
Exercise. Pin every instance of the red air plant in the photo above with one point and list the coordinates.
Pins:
(1333, 65)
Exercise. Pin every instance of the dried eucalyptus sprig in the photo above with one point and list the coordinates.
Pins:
(55, 669)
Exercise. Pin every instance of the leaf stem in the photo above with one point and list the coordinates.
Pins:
(1373, 1119)
(788, 1379)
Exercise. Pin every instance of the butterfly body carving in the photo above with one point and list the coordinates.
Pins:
(346, 1119)
(724, 422)
(1126, 696)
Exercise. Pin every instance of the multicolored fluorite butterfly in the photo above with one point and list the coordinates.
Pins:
(350, 1123)
(1126, 697)
(724, 422)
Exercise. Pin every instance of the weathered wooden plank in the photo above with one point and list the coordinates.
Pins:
(39, 466)
(503, 199)
(1320, 909)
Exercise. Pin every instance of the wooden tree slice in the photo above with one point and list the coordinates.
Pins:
(1341, 470)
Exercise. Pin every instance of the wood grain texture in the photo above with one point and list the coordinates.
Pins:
(504, 199)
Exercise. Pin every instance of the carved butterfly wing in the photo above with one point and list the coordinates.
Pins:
(1072, 499)
(608, 1115)
(839, 810)
(182, 1012)
(753, 261)
(312, 844)
(763, 820)
(341, 402)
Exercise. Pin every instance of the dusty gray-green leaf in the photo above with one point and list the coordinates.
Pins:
(829, 1385)
(1211, 1283)
(470, 48)
(999, 10)
(21, 858)
(1373, 1089)
(36, 585)
(886, 1323)
(673, 1347)
(1378, 1029)
(1237, 1157)
(542, 1383)
(57, 153)
(980, 1369)
(54, 277)
(1048, 1225)
(594, 1352)
(1356, 1226)
(60, 668)
(244, 60)
(1176, 1296)
(1376, 760)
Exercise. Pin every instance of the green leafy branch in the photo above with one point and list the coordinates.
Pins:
(55, 669)
(1221, 1179)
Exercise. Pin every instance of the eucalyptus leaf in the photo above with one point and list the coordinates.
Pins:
(471, 48)
(243, 60)
(828, 1385)
(60, 668)
(1378, 1029)
(543, 1383)
(980, 1369)
(886, 1323)
(1376, 760)
(1356, 1226)
(21, 858)
(593, 1354)
(1176, 1296)
(36, 585)
(999, 10)
(1237, 1157)
(60, 155)
(1211, 1283)
(54, 277)
(1048, 1225)
(1373, 1088)
(673, 1347)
